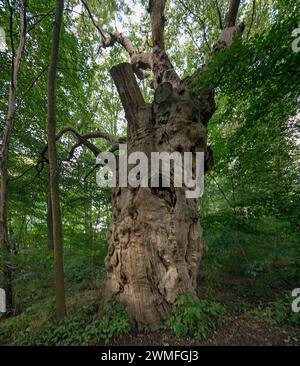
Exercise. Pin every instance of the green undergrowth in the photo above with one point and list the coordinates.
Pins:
(277, 313)
(84, 324)
(195, 317)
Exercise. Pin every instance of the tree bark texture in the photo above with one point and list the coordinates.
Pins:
(155, 240)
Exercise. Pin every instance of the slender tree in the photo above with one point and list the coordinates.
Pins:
(4, 235)
(53, 164)
(50, 244)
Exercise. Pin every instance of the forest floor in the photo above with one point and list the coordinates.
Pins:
(258, 312)
(243, 326)
(237, 331)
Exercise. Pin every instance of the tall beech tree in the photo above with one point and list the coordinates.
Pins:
(15, 68)
(53, 165)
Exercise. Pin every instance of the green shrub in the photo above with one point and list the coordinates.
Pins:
(281, 311)
(195, 317)
(79, 268)
(80, 328)
(278, 312)
(114, 322)
(67, 332)
(22, 328)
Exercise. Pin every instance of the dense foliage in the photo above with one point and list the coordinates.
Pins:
(250, 212)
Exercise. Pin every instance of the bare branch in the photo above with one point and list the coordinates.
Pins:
(141, 61)
(115, 144)
(114, 148)
(100, 30)
(82, 140)
(21, 175)
(90, 172)
(222, 192)
(42, 17)
(33, 83)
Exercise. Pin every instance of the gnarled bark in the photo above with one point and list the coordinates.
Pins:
(155, 240)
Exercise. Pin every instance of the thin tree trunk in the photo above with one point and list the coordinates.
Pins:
(4, 237)
(53, 165)
(88, 206)
(278, 194)
(50, 243)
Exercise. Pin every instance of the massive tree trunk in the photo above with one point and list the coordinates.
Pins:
(155, 240)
